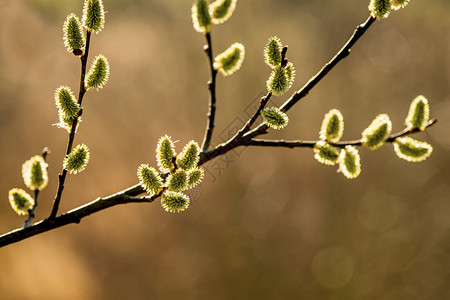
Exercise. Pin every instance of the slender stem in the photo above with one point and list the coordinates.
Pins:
(212, 94)
(62, 176)
(342, 144)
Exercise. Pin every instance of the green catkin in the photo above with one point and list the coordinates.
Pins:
(418, 114)
(77, 160)
(201, 18)
(349, 162)
(66, 103)
(325, 153)
(275, 118)
(222, 10)
(177, 181)
(98, 74)
(332, 126)
(378, 132)
(380, 8)
(272, 52)
(278, 82)
(230, 60)
(397, 4)
(189, 157)
(73, 35)
(165, 152)
(20, 201)
(412, 150)
(195, 177)
(93, 15)
(149, 179)
(174, 202)
(34, 173)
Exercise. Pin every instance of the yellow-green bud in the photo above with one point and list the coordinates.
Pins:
(77, 160)
(378, 132)
(412, 150)
(189, 157)
(281, 79)
(380, 8)
(93, 15)
(174, 202)
(195, 176)
(201, 18)
(177, 181)
(275, 118)
(149, 179)
(34, 173)
(332, 126)
(349, 162)
(221, 10)
(325, 153)
(418, 114)
(165, 153)
(20, 201)
(397, 4)
(98, 73)
(66, 103)
(230, 60)
(73, 35)
(272, 52)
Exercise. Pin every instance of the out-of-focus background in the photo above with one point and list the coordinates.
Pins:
(265, 223)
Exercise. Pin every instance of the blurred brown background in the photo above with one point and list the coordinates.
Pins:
(266, 223)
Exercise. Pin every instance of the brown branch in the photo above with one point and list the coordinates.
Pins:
(311, 144)
(212, 94)
(62, 176)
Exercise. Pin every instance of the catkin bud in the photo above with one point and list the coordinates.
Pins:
(98, 73)
(93, 15)
(66, 103)
(165, 152)
(34, 173)
(195, 176)
(380, 8)
(378, 132)
(281, 79)
(412, 150)
(230, 60)
(189, 157)
(349, 162)
(418, 114)
(332, 126)
(174, 202)
(73, 35)
(177, 181)
(272, 52)
(221, 10)
(325, 153)
(275, 118)
(20, 201)
(201, 18)
(77, 160)
(149, 179)
(397, 4)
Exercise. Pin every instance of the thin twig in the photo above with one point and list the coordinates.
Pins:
(310, 144)
(212, 94)
(63, 174)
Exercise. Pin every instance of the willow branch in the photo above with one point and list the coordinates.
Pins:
(212, 94)
(63, 174)
(342, 144)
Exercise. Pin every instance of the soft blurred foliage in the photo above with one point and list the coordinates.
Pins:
(266, 223)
